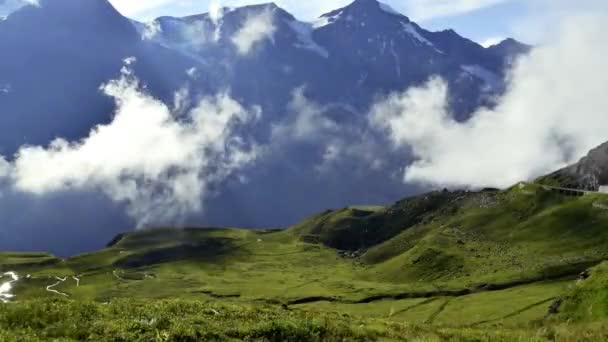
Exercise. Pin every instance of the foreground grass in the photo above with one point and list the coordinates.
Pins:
(508, 308)
(587, 301)
(132, 320)
(182, 320)
(178, 320)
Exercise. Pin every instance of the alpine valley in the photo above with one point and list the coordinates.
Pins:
(525, 263)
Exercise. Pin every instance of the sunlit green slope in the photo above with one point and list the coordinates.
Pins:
(452, 260)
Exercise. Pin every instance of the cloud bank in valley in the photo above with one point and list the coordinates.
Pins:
(162, 167)
(553, 112)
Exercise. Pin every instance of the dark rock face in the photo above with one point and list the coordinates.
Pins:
(508, 49)
(589, 173)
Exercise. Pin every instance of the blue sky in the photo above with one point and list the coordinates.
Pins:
(480, 20)
(487, 24)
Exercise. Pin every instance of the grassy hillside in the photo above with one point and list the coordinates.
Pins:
(587, 300)
(446, 265)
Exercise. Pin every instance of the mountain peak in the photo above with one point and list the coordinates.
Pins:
(510, 47)
(372, 6)
(269, 6)
(360, 9)
(366, 6)
(243, 11)
(97, 17)
(373, 3)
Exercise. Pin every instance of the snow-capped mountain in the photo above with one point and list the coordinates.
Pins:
(363, 49)
(382, 49)
(56, 55)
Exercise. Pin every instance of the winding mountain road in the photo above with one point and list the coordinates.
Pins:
(50, 287)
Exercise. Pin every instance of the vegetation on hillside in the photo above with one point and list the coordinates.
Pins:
(446, 265)
(181, 320)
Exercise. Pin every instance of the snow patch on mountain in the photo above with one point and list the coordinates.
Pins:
(150, 30)
(413, 32)
(5, 88)
(388, 9)
(491, 80)
(326, 19)
(305, 40)
(255, 29)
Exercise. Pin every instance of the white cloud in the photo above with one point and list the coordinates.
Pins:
(306, 122)
(160, 167)
(340, 141)
(186, 36)
(198, 35)
(151, 30)
(216, 11)
(491, 41)
(542, 14)
(553, 112)
(255, 29)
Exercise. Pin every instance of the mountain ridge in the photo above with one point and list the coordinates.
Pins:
(340, 70)
(379, 54)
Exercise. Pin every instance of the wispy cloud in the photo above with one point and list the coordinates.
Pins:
(338, 141)
(256, 29)
(305, 122)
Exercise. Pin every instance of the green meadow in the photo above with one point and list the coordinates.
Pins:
(524, 264)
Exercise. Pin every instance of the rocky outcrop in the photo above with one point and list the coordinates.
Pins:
(588, 174)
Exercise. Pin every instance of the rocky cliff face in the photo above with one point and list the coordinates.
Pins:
(589, 173)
